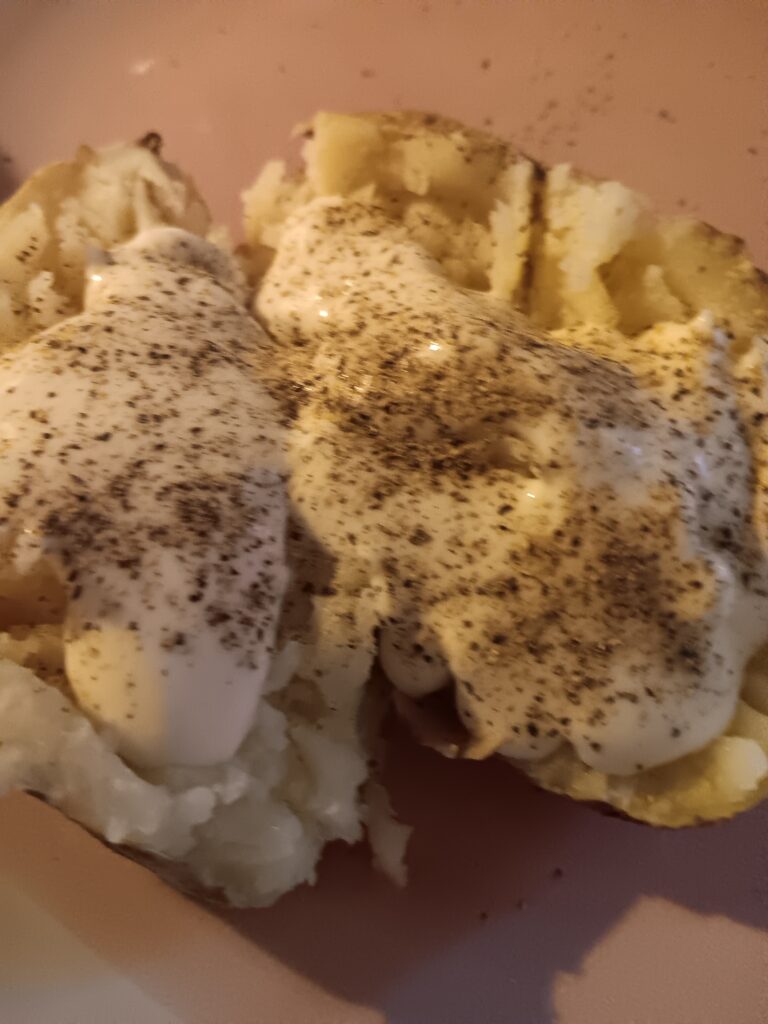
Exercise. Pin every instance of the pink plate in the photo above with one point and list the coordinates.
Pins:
(522, 908)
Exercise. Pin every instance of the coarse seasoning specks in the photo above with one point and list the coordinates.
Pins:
(563, 523)
(140, 453)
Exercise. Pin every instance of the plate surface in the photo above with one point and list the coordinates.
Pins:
(522, 908)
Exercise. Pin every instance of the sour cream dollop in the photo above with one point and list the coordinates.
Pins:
(563, 524)
(140, 455)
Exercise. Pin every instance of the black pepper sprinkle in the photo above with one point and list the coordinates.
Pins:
(452, 433)
(199, 468)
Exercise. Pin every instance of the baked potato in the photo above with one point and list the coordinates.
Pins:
(586, 262)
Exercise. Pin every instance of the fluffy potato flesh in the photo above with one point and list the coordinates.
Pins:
(568, 251)
(98, 200)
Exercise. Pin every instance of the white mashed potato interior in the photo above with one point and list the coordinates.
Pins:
(248, 830)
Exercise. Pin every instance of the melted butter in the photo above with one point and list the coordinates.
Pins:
(564, 524)
(141, 457)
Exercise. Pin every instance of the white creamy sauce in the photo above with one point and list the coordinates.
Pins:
(563, 524)
(141, 456)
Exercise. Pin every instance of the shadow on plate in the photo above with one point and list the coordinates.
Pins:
(512, 895)
(508, 888)
(8, 178)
